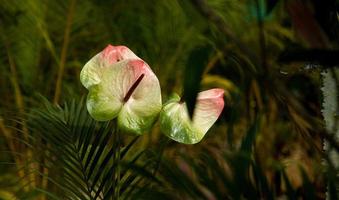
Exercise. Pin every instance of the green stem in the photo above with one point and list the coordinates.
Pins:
(262, 42)
(160, 156)
(64, 50)
(118, 140)
(21, 108)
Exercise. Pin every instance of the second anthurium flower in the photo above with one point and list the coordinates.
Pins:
(122, 86)
(175, 121)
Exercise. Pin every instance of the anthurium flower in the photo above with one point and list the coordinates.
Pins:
(175, 121)
(122, 85)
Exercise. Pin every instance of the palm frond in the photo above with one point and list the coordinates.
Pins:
(85, 158)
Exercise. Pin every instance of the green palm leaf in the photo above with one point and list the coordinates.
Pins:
(85, 158)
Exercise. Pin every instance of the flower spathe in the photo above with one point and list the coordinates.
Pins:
(122, 86)
(175, 121)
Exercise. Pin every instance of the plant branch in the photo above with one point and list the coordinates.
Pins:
(262, 42)
(20, 105)
(17, 91)
(11, 145)
(64, 52)
(61, 68)
(208, 12)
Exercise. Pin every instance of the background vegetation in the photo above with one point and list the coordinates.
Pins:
(270, 56)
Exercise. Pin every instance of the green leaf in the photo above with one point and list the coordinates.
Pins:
(308, 187)
(290, 192)
(85, 154)
(270, 5)
(196, 63)
(248, 141)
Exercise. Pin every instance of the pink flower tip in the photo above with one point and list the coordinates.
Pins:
(216, 96)
(114, 54)
(212, 94)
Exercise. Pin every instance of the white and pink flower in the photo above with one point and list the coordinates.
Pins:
(176, 124)
(122, 85)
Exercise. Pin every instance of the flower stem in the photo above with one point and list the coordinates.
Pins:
(118, 157)
(118, 166)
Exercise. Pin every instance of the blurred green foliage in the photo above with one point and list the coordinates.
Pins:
(266, 144)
